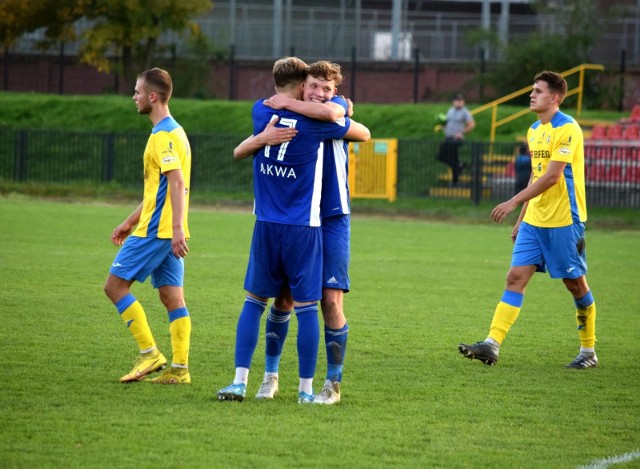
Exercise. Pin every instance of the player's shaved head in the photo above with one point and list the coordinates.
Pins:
(158, 81)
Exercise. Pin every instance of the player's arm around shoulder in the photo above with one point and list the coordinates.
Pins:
(328, 112)
(357, 132)
(271, 135)
(246, 148)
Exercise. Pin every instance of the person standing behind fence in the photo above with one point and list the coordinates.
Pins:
(522, 166)
(158, 245)
(459, 122)
(549, 232)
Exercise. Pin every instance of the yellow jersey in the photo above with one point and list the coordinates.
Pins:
(565, 202)
(167, 149)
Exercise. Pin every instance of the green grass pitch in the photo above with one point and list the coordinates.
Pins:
(409, 398)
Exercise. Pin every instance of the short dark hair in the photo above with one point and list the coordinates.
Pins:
(555, 81)
(289, 71)
(158, 80)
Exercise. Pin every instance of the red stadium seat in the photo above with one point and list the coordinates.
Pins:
(599, 132)
(631, 132)
(614, 132)
(635, 113)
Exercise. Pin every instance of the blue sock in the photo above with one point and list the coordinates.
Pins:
(585, 301)
(248, 331)
(276, 330)
(336, 343)
(308, 337)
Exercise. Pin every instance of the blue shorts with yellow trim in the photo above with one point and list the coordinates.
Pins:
(140, 257)
(336, 233)
(561, 250)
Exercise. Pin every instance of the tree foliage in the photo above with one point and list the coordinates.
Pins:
(126, 28)
(18, 17)
(562, 43)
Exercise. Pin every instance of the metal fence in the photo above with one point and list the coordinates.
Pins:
(71, 157)
(315, 31)
(53, 156)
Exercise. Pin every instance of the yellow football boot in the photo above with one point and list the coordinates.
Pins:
(173, 375)
(146, 363)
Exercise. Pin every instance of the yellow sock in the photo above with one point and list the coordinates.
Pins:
(135, 318)
(586, 321)
(180, 328)
(505, 315)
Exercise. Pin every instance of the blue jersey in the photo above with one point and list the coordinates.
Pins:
(287, 178)
(335, 183)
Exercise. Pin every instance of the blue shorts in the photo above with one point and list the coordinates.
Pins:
(285, 255)
(140, 257)
(336, 233)
(560, 250)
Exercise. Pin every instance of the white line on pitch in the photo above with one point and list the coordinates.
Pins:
(606, 462)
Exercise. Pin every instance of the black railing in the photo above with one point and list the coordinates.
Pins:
(64, 157)
(52, 156)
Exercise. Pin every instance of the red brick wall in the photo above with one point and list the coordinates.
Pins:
(375, 82)
(42, 74)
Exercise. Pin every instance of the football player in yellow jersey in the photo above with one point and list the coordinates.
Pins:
(549, 233)
(154, 237)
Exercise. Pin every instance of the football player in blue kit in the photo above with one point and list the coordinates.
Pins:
(320, 88)
(286, 248)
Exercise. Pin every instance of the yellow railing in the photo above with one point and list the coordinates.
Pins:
(493, 105)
